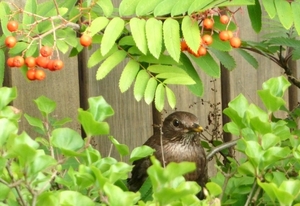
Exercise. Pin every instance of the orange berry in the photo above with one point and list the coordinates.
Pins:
(183, 45)
(30, 74)
(10, 41)
(58, 64)
(235, 42)
(224, 19)
(230, 34)
(12, 26)
(46, 51)
(40, 74)
(10, 62)
(30, 61)
(223, 35)
(42, 61)
(201, 51)
(85, 40)
(208, 23)
(207, 39)
(18, 61)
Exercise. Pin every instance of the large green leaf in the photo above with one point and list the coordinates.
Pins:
(99, 108)
(225, 58)
(160, 97)
(128, 75)
(137, 27)
(276, 85)
(141, 152)
(145, 7)
(122, 148)
(254, 12)
(111, 62)
(150, 90)
(106, 6)
(191, 33)
(97, 25)
(128, 7)
(285, 14)
(208, 65)
(140, 84)
(45, 105)
(112, 32)
(7, 95)
(172, 38)
(197, 88)
(154, 36)
(35, 122)
(66, 138)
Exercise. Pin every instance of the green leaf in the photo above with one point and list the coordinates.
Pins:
(45, 105)
(141, 152)
(165, 69)
(90, 125)
(66, 138)
(106, 6)
(295, 9)
(208, 65)
(140, 84)
(128, 7)
(164, 7)
(35, 122)
(111, 62)
(172, 38)
(277, 85)
(270, 8)
(7, 95)
(225, 58)
(137, 27)
(128, 75)
(254, 12)
(197, 88)
(150, 90)
(181, 7)
(254, 152)
(247, 168)
(171, 97)
(154, 36)
(30, 6)
(213, 188)
(10, 128)
(73, 198)
(97, 25)
(160, 97)
(219, 44)
(269, 140)
(145, 7)
(112, 32)
(163, 59)
(191, 33)
(62, 46)
(99, 108)
(97, 57)
(285, 13)
(122, 148)
(2, 67)
(176, 79)
(198, 5)
(248, 57)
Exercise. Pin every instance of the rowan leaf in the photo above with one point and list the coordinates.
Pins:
(177, 79)
(2, 67)
(285, 14)
(97, 25)
(248, 57)
(150, 90)
(219, 44)
(137, 27)
(191, 33)
(111, 62)
(140, 84)
(197, 88)
(172, 38)
(296, 9)
(97, 57)
(165, 69)
(30, 7)
(208, 65)
(254, 12)
(181, 7)
(160, 97)
(145, 7)
(154, 36)
(111, 34)
(225, 58)
(171, 97)
(164, 7)
(198, 5)
(128, 75)
(270, 8)
(128, 7)
(106, 6)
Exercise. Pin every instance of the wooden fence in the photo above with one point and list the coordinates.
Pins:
(132, 122)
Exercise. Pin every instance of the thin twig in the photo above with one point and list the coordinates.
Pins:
(251, 194)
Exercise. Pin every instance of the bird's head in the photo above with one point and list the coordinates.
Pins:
(181, 124)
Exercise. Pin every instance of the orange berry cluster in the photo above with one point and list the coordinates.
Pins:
(32, 63)
(206, 39)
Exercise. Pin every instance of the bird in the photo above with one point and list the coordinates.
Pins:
(180, 142)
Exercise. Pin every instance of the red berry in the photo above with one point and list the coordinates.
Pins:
(12, 26)
(46, 51)
(10, 62)
(10, 41)
(85, 40)
(40, 74)
(18, 61)
(235, 42)
(30, 74)
(208, 23)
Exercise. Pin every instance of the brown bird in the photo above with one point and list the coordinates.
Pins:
(181, 142)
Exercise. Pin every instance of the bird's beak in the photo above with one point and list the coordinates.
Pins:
(197, 129)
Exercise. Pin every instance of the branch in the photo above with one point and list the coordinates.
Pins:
(220, 148)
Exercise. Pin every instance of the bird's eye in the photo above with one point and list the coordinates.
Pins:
(176, 123)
